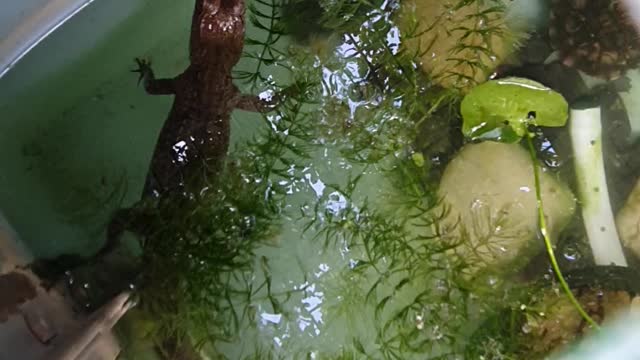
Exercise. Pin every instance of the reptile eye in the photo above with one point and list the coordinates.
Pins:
(531, 115)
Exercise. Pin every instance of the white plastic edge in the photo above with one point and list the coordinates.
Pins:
(586, 138)
(35, 28)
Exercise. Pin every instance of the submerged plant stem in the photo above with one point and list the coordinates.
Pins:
(547, 240)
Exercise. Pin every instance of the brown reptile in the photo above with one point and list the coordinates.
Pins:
(197, 128)
(195, 137)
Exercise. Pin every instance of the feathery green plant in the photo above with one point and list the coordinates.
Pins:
(201, 275)
(419, 298)
(378, 132)
(375, 99)
(264, 15)
(488, 25)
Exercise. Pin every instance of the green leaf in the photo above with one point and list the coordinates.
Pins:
(502, 109)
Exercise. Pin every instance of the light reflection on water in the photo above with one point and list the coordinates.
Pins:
(314, 284)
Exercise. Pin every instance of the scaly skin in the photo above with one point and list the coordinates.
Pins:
(195, 137)
(197, 129)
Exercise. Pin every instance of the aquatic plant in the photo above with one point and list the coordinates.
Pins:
(416, 293)
(200, 271)
(374, 106)
(375, 99)
(520, 102)
(264, 15)
(503, 109)
(201, 274)
(354, 224)
(462, 42)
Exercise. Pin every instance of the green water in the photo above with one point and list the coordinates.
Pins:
(353, 270)
(78, 146)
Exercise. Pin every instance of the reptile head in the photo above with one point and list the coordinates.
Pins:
(217, 30)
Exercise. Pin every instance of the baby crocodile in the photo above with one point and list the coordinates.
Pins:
(195, 136)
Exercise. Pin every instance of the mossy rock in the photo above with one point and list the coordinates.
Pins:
(489, 192)
(460, 42)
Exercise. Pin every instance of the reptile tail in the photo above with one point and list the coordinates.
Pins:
(53, 270)
(117, 226)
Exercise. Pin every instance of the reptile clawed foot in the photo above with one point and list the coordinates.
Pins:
(144, 68)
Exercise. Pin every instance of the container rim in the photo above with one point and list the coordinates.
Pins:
(35, 27)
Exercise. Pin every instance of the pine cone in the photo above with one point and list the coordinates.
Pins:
(594, 36)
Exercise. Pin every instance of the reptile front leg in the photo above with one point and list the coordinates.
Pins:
(152, 85)
(256, 104)
(252, 103)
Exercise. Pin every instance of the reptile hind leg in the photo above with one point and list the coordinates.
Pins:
(118, 224)
(52, 271)
(132, 220)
